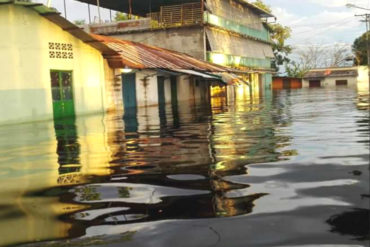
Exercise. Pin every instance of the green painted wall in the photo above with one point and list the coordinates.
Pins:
(262, 35)
(235, 61)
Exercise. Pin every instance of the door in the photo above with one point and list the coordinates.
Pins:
(129, 90)
(62, 93)
(286, 84)
(161, 95)
(129, 101)
(174, 102)
(161, 101)
(315, 83)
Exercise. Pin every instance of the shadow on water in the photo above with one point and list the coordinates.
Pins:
(253, 165)
(354, 223)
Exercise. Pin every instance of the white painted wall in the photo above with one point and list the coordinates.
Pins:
(25, 90)
(167, 90)
(331, 82)
(146, 88)
(185, 91)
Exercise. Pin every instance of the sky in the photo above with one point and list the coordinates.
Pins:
(320, 22)
(313, 22)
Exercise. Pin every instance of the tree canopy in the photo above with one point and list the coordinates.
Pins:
(359, 48)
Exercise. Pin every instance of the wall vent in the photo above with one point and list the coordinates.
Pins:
(60, 50)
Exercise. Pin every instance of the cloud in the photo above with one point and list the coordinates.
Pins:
(340, 3)
(324, 26)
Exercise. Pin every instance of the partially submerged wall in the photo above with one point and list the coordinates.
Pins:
(27, 55)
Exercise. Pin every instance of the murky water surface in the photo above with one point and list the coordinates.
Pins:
(291, 169)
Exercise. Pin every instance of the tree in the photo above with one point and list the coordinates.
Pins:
(317, 56)
(279, 34)
(359, 49)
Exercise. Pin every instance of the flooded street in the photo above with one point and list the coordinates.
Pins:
(288, 169)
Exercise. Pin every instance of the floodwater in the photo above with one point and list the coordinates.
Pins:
(288, 169)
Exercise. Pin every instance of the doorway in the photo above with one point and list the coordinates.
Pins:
(315, 83)
(129, 90)
(62, 93)
(286, 83)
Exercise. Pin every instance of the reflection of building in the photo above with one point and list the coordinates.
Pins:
(332, 77)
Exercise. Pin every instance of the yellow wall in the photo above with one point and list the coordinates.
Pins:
(25, 92)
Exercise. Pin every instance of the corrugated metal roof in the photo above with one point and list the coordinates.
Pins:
(140, 56)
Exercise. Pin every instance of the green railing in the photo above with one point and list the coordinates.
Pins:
(237, 61)
(263, 35)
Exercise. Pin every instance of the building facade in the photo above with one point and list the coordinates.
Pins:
(229, 33)
(332, 77)
(48, 68)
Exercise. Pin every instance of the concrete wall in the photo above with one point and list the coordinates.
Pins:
(25, 85)
(146, 88)
(331, 82)
(189, 40)
(363, 79)
(185, 88)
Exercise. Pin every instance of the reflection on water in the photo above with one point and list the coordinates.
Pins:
(293, 166)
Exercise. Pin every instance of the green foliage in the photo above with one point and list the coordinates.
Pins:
(359, 48)
(124, 17)
(260, 4)
(121, 17)
(279, 34)
(296, 70)
(80, 22)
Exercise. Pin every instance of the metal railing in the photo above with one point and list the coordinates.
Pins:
(177, 15)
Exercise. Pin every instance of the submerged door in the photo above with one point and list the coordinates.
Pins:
(161, 95)
(161, 101)
(315, 83)
(286, 84)
(129, 102)
(129, 90)
(62, 93)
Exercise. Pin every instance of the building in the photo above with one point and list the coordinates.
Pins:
(152, 76)
(332, 77)
(56, 76)
(286, 83)
(230, 33)
(44, 75)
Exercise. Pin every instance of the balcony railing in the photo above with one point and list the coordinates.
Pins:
(177, 15)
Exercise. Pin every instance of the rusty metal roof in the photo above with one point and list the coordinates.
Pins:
(323, 73)
(140, 56)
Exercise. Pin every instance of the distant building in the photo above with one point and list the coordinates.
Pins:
(226, 32)
(332, 77)
(286, 83)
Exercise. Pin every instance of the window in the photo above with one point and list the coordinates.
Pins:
(341, 82)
